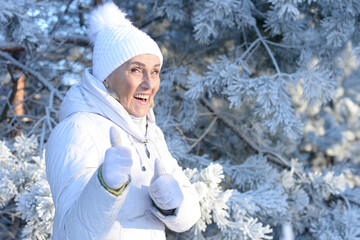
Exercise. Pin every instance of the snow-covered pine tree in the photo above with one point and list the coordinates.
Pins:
(259, 100)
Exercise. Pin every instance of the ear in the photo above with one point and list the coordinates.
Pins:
(106, 83)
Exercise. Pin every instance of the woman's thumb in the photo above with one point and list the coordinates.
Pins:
(115, 137)
(158, 169)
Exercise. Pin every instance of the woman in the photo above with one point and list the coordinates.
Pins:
(108, 165)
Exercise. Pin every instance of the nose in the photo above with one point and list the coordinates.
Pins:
(148, 82)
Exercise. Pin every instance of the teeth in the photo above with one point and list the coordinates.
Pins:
(141, 96)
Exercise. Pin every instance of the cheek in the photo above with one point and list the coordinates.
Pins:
(157, 86)
(125, 89)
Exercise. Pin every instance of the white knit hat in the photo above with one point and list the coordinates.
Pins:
(116, 40)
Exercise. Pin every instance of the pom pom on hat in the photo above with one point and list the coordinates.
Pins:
(116, 40)
(105, 16)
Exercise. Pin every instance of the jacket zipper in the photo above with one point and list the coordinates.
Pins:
(143, 168)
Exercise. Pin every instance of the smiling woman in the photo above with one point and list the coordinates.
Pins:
(109, 169)
(135, 83)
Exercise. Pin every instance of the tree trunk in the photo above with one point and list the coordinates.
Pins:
(19, 96)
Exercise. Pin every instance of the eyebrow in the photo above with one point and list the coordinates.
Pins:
(142, 65)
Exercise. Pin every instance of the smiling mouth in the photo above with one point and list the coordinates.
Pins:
(142, 97)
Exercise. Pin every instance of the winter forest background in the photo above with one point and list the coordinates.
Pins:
(259, 102)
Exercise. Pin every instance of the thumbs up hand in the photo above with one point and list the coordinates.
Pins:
(164, 189)
(117, 163)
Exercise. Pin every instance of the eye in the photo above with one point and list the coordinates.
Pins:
(135, 70)
(155, 72)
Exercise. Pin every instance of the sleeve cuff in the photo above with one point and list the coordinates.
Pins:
(115, 192)
(165, 212)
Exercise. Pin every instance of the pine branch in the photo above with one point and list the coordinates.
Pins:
(60, 17)
(281, 45)
(74, 39)
(77, 40)
(205, 133)
(253, 44)
(11, 47)
(51, 34)
(155, 19)
(267, 49)
(268, 153)
(37, 75)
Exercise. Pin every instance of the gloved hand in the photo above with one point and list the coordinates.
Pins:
(117, 163)
(164, 189)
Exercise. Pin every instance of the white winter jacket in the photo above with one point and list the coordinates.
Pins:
(84, 209)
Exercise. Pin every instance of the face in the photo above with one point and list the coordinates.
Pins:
(135, 83)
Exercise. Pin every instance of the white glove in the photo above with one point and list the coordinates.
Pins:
(164, 189)
(117, 163)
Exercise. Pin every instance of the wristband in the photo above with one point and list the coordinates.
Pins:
(115, 192)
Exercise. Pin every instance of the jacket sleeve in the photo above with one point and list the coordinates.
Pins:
(83, 207)
(189, 211)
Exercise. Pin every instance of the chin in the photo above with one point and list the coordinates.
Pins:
(140, 114)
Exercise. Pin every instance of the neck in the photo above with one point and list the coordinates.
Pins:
(140, 122)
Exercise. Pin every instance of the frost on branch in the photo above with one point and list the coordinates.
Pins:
(224, 208)
(212, 17)
(174, 9)
(245, 83)
(37, 208)
(23, 180)
(253, 173)
(23, 28)
(342, 223)
(322, 185)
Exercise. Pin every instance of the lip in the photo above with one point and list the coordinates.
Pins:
(142, 101)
